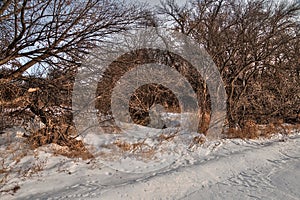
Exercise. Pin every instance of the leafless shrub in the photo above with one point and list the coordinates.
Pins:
(249, 131)
(49, 39)
(150, 94)
(59, 135)
(255, 45)
(260, 68)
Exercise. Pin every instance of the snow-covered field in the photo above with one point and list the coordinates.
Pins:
(224, 169)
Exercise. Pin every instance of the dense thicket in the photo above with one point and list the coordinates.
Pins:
(255, 45)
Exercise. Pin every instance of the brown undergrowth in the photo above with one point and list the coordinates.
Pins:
(74, 148)
(252, 130)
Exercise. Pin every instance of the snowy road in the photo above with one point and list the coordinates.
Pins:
(234, 169)
(270, 171)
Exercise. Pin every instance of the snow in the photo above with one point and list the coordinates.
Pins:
(219, 169)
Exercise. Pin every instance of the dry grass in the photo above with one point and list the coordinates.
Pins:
(11, 167)
(140, 150)
(12, 190)
(44, 136)
(35, 168)
(252, 130)
(4, 171)
(166, 137)
(132, 147)
(198, 140)
(249, 131)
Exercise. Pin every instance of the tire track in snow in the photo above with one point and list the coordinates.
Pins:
(234, 170)
(248, 168)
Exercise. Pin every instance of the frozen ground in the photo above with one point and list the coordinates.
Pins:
(225, 169)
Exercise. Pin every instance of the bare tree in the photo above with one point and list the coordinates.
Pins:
(56, 31)
(52, 37)
(249, 41)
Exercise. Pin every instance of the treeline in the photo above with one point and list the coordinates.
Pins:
(255, 45)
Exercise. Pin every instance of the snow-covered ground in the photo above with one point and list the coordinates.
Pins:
(224, 169)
